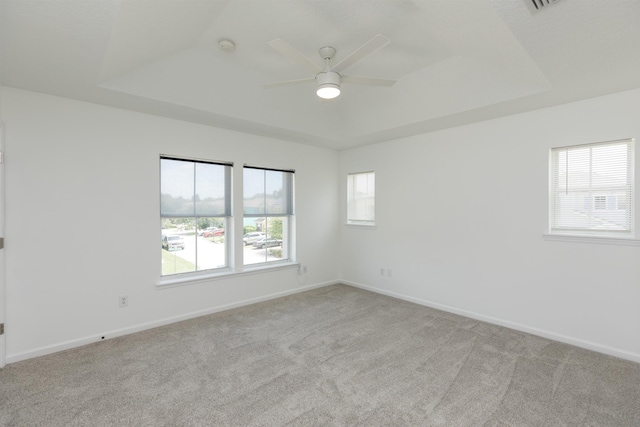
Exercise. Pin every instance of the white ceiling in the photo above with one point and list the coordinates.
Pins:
(455, 61)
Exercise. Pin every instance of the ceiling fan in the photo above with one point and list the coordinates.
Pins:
(329, 78)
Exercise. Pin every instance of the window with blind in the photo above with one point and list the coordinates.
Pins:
(361, 198)
(591, 189)
(195, 208)
(268, 209)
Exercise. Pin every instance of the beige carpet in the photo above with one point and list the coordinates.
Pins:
(332, 356)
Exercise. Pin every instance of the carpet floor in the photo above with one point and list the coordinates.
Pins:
(334, 356)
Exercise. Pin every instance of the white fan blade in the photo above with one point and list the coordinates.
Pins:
(289, 83)
(377, 42)
(369, 81)
(289, 51)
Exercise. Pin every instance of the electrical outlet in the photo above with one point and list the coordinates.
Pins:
(123, 301)
(382, 271)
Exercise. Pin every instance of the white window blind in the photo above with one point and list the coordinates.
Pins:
(591, 188)
(361, 198)
(267, 192)
(192, 188)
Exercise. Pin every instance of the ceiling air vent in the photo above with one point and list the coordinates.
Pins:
(539, 4)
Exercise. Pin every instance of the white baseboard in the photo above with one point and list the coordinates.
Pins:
(611, 351)
(2, 350)
(42, 351)
(12, 358)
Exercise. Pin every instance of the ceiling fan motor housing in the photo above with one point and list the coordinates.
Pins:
(328, 78)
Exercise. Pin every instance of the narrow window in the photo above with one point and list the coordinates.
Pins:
(195, 210)
(268, 215)
(591, 189)
(361, 198)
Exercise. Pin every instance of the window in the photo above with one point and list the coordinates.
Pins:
(361, 198)
(591, 189)
(268, 215)
(195, 210)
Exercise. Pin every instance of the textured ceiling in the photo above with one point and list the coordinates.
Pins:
(455, 61)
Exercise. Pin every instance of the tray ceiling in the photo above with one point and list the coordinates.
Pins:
(455, 62)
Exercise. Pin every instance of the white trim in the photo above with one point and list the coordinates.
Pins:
(3, 347)
(366, 226)
(612, 351)
(172, 281)
(602, 240)
(3, 280)
(12, 358)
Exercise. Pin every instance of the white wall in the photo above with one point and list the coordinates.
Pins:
(460, 215)
(82, 221)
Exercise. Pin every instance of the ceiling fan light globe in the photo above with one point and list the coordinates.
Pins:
(328, 91)
(328, 84)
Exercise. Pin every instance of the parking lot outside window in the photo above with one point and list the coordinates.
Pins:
(268, 215)
(195, 211)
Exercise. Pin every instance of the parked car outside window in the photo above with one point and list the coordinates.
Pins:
(252, 237)
(172, 242)
(214, 232)
(202, 231)
(267, 243)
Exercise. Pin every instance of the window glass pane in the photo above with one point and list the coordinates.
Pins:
(269, 242)
(254, 191)
(190, 244)
(267, 192)
(175, 246)
(609, 165)
(591, 187)
(211, 189)
(278, 192)
(578, 168)
(211, 249)
(361, 197)
(176, 187)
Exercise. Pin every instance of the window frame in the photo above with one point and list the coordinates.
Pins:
(288, 225)
(352, 197)
(226, 217)
(598, 202)
(233, 236)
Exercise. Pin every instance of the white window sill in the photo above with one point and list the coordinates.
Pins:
(368, 226)
(602, 240)
(193, 278)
